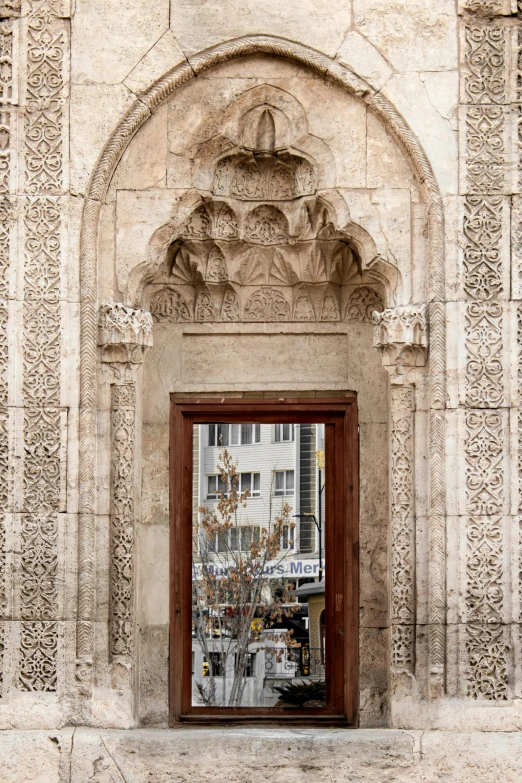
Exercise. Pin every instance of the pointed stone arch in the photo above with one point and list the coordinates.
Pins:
(140, 111)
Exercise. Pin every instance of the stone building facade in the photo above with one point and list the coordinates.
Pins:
(191, 191)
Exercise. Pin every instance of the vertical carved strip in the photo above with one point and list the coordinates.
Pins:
(87, 430)
(122, 519)
(402, 529)
(6, 95)
(487, 651)
(519, 464)
(45, 88)
(43, 174)
(485, 88)
(437, 550)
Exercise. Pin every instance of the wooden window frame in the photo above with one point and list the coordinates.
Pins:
(341, 542)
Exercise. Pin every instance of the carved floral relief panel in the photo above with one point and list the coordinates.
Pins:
(42, 344)
(486, 90)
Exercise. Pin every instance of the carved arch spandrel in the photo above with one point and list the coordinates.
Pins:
(150, 100)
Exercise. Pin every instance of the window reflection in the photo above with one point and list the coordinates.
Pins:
(258, 565)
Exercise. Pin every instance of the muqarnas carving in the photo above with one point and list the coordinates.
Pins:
(265, 246)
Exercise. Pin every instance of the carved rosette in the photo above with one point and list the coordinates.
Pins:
(124, 336)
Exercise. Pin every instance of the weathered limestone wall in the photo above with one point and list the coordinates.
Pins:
(428, 203)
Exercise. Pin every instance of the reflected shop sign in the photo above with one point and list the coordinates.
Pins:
(284, 568)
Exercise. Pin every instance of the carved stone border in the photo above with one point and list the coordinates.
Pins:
(139, 112)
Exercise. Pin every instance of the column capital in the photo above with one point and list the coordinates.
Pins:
(124, 334)
(401, 336)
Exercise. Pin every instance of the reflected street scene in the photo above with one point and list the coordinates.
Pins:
(258, 566)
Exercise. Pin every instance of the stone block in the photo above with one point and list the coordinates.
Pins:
(138, 215)
(159, 60)
(409, 94)
(386, 164)
(373, 581)
(110, 39)
(198, 25)
(411, 35)
(154, 675)
(155, 480)
(364, 59)
(153, 574)
(95, 111)
(144, 162)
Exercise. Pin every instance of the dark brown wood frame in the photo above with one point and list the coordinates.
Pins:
(342, 543)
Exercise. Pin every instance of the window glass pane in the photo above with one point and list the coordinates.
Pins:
(222, 541)
(222, 434)
(211, 434)
(246, 433)
(238, 618)
(279, 482)
(234, 538)
(246, 538)
(289, 480)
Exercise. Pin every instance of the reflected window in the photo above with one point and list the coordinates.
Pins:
(233, 434)
(284, 433)
(284, 482)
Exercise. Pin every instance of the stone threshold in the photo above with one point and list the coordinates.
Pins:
(259, 755)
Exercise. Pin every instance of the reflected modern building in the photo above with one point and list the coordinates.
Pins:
(276, 464)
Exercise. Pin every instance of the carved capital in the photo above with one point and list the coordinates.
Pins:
(124, 334)
(401, 337)
(10, 8)
(486, 8)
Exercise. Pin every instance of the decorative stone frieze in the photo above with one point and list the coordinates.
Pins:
(400, 336)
